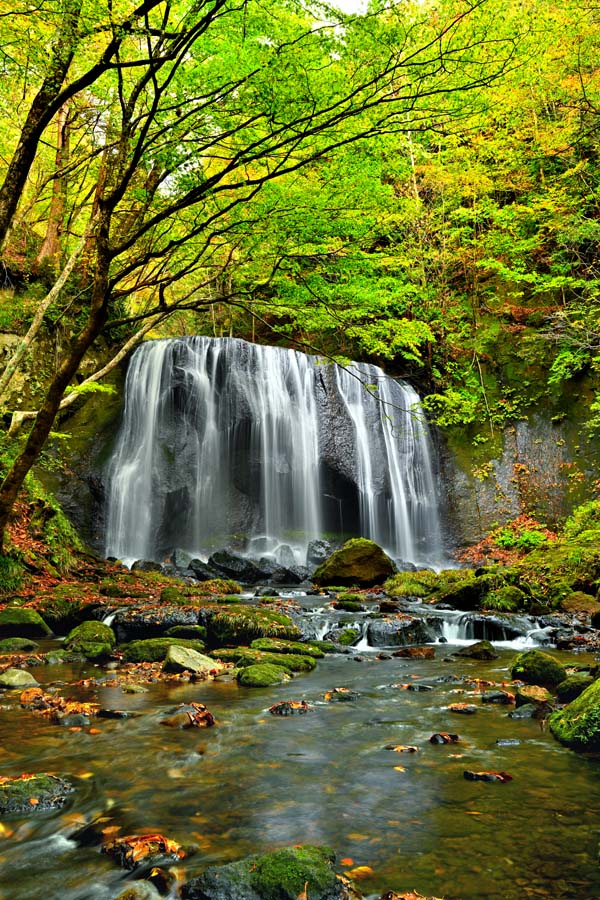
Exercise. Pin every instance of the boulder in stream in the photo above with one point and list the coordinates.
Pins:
(17, 678)
(578, 724)
(397, 631)
(283, 874)
(26, 623)
(536, 667)
(32, 793)
(185, 659)
(480, 650)
(359, 561)
(93, 640)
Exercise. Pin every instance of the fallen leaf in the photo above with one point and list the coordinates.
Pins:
(403, 748)
(360, 872)
(346, 861)
(399, 768)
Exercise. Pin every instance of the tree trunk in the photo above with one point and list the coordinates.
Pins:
(52, 244)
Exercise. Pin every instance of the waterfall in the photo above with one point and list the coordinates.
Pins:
(224, 443)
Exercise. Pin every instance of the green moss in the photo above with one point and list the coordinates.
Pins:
(272, 645)
(213, 588)
(262, 675)
(245, 656)
(348, 606)
(11, 574)
(18, 622)
(17, 645)
(349, 597)
(285, 874)
(92, 639)
(536, 667)
(191, 632)
(155, 649)
(358, 562)
(574, 685)
(506, 599)
(425, 583)
(125, 586)
(578, 724)
(348, 636)
(325, 646)
(46, 792)
(243, 624)
(171, 595)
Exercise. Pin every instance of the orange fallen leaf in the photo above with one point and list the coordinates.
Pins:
(346, 861)
(94, 731)
(34, 801)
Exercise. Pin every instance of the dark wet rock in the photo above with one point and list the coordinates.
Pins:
(147, 565)
(93, 640)
(281, 875)
(155, 649)
(535, 695)
(383, 656)
(190, 715)
(266, 592)
(397, 631)
(185, 659)
(317, 553)
(488, 627)
(104, 713)
(443, 737)
(499, 777)
(135, 850)
(574, 685)
(419, 687)
(341, 695)
(290, 708)
(464, 709)
(343, 635)
(537, 667)
(415, 653)
(529, 711)
(358, 562)
(201, 571)
(480, 650)
(500, 697)
(389, 606)
(17, 645)
(578, 724)
(138, 624)
(17, 678)
(26, 623)
(32, 793)
(234, 566)
(73, 720)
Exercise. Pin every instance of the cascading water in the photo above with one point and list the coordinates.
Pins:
(226, 443)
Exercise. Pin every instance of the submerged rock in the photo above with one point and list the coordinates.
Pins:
(32, 793)
(92, 639)
(17, 645)
(397, 631)
(536, 667)
(262, 675)
(578, 724)
(359, 561)
(283, 874)
(480, 650)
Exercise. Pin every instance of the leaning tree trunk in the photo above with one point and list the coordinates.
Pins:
(52, 243)
(42, 425)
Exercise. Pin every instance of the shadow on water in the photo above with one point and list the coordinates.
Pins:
(257, 781)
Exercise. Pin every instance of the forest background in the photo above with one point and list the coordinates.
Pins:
(417, 186)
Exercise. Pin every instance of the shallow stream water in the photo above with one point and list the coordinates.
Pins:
(258, 781)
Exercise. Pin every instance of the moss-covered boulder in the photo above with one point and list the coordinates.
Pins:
(155, 649)
(31, 794)
(171, 595)
(262, 675)
(272, 645)
(245, 656)
(578, 724)
(348, 606)
(14, 679)
(508, 598)
(536, 667)
(574, 685)
(187, 632)
(242, 624)
(93, 640)
(479, 650)
(358, 562)
(283, 874)
(579, 601)
(18, 622)
(186, 659)
(17, 645)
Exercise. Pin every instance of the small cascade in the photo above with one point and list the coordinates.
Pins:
(462, 628)
(264, 450)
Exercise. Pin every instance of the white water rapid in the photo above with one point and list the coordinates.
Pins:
(229, 444)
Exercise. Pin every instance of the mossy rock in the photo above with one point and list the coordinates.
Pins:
(62, 614)
(325, 646)
(245, 656)
(349, 597)
(578, 601)
(215, 587)
(26, 623)
(93, 640)
(172, 595)
(155, 649)
(17, 645)
(578, 724)
(506, 599)
(479, 650)
(271, 645)
(262, 675)
(31, 794)
(348, 636)
(536, 667)
(123, 587)
(283, 874)
(425, 583)
(573, 685)
(358, 562)
(348, 606)
(190, 632)
(243, 624)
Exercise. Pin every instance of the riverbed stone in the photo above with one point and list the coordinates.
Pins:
(17, 678)
(280, 875)
(262, 675)
(397, 631)
(17, 645)
(537, 667)
(32, 793)
(358, 562)
(26, 623)
(185, 659)
(535, 695)
(480, 650)
(92, 639)
(578, 724)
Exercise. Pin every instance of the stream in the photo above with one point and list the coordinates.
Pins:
(258, 781)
